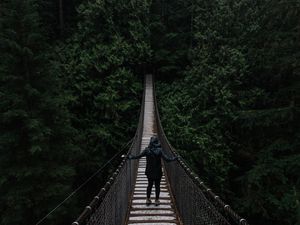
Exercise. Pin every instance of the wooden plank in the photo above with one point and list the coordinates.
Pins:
(151, 223)
(143, 201)
(140, 213)
(149, 211)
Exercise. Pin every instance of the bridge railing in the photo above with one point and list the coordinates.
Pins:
(110, 205)
(195, 202)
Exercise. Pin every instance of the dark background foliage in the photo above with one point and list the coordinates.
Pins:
(227, 83)
(233, 111)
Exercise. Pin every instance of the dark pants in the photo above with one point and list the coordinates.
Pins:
(157, 187)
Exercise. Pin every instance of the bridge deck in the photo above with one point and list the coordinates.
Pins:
(139, 213)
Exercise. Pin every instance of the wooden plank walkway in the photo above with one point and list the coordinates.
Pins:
(140, 213)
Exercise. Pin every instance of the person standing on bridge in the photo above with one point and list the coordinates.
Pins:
(153, 171)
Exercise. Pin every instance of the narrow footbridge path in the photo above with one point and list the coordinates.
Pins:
(184, 198)
(139, 213)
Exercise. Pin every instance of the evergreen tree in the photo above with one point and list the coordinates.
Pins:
(237, 108)
(229, 98)
(102, 64)
(59, 18)
(170, 26)
(36, 147)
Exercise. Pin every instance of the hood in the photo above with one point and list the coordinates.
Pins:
(154, 142)
(155, 151)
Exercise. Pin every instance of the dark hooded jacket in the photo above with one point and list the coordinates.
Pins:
(153, 155)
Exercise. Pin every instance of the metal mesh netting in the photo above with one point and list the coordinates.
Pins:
(193, 206)
(113, 208)
(110, 206)
(195, 202)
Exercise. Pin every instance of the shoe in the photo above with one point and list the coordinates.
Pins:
(157, 202)
(148, 201)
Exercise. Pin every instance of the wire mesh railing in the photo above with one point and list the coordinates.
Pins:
(195, 202)
(110, 205)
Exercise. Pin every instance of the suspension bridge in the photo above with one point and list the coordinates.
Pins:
(185, 199)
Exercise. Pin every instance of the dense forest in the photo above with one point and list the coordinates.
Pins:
(228, 88)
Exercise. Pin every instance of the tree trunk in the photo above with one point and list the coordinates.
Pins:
(61, 17)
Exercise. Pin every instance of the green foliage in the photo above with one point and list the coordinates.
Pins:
(235, 112)
(101, 66)
(170, 36)
(68, 107)
(70, 98)
(36, 151)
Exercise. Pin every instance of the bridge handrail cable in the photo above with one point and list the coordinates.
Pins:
(224, 214)
(124, 177)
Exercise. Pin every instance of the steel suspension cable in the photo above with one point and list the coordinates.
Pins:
(86, 181)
